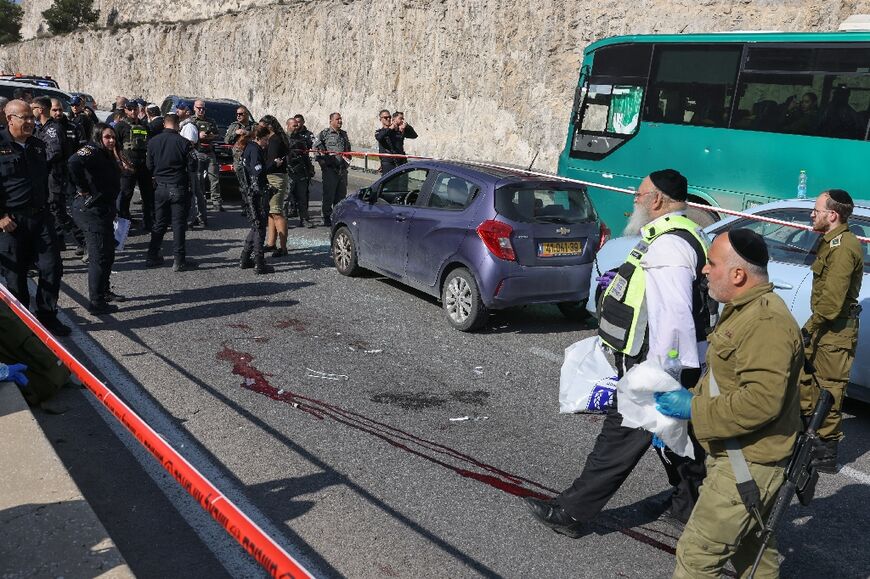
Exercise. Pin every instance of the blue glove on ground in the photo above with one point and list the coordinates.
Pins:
(605, 279)
(14, 372)
(658, 442)
(676, 404)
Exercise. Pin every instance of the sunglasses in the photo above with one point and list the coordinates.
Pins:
(240, 114)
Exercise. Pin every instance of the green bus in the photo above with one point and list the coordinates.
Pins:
(739, 114)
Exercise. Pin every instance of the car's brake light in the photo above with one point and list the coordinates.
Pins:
(603, 234)
(497, 238)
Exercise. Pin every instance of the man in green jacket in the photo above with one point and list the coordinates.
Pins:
(748, 398)
(831, 334)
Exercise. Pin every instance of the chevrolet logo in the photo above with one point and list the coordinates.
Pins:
(563, 231)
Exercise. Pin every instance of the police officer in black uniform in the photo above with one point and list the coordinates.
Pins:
(27, 233)
(256, 197)
(81, 119)
(133, 140)
(171, 159)
(53, 133)
(96, 173)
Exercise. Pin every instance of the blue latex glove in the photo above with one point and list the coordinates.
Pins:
(676, 404)
(14, 372)
(658, 442)
(605, 279)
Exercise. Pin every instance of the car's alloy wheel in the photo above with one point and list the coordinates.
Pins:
(344, 252)
(462, 304)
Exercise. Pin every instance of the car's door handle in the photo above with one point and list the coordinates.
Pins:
(401, 217)
(778, 284)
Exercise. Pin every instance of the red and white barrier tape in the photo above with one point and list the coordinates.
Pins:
(263, 548)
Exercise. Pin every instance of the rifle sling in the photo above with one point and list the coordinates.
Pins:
(746, 486)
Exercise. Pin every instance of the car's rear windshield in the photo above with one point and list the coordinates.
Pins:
(224, 114)
(543, 204)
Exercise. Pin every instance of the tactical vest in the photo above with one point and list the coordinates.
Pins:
(137, 142)
(623, 323)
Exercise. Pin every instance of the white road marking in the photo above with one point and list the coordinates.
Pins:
(855, 474)
(546, 355)
(225, 549)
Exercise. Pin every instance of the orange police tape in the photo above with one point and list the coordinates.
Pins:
(274, 559)
(710, 208)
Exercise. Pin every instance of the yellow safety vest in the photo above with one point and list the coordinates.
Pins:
(623, 321)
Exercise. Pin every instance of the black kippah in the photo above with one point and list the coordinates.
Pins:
(671, 183)
(841, 196)
(750, 246)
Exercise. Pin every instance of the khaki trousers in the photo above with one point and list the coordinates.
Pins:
(831, 352)
(721, 529)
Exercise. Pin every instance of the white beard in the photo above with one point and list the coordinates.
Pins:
(638, 219)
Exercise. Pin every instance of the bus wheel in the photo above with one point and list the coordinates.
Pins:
(702, 217)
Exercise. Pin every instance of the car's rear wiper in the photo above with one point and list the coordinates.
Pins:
(551, 219)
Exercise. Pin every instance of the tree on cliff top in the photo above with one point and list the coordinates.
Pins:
(69, 15)
(10, 21)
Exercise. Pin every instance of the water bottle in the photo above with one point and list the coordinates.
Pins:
(802, 185)
(672, 364)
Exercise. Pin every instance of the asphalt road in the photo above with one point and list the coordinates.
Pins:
(322, 405)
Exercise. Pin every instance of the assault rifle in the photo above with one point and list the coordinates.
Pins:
(800, 475)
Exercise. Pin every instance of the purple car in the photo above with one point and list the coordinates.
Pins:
(479, 238)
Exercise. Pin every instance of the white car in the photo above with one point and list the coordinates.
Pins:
(791, 255)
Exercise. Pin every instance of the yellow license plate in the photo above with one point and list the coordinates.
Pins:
(559, 248)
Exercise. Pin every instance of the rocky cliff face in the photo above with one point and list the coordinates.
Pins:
(482, 79)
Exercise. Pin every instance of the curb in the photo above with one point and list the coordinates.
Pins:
(48, 528)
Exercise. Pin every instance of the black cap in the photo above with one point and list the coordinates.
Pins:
(840, 196)
(131, 105)
(671, 183)
(750, 246)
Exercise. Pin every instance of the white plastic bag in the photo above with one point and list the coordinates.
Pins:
(638, 406)
(122, 229)
(588, 380)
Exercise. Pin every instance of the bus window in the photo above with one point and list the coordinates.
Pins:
(692, 85)
(806, 91)
(607, 110)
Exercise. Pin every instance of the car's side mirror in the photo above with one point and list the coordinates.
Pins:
(366, 194)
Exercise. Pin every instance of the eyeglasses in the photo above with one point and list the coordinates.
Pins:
(26, 119)
(816, 212)
(240, 113)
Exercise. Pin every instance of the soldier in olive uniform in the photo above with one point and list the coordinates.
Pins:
(208, 133)
(241, 126)
(831, 334)
(749, 397)
(333, 167)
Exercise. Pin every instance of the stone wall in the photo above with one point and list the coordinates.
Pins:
(480, 79)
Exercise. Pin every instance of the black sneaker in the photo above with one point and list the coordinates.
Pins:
(113, 297)
(183, 264)
(80, 250)
(102, 308)
(53, 325)
(154, 261)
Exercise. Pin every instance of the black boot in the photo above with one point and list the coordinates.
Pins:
(260, 266)
(825, 456)
(246, 262)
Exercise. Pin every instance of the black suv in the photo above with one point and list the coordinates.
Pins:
(223, 111)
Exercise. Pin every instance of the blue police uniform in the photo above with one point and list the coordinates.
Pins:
(257, 200)
(171, 159)
(97, 178)
(24, 198)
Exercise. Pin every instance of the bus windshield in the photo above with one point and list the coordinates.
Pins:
(739, 115)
